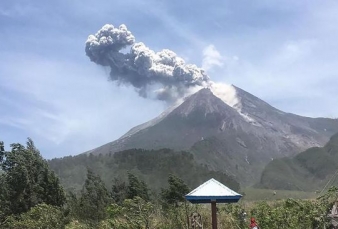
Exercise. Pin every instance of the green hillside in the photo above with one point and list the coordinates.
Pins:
(153, 166)
(308, 171)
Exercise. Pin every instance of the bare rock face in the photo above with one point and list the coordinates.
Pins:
(239, 139)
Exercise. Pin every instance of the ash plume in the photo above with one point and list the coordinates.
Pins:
(142, 67)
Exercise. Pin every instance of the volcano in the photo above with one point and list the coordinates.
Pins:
(239, 139)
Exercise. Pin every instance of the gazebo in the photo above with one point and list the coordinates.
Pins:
(213, 192)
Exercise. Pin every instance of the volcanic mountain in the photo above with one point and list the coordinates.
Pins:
(239, 139)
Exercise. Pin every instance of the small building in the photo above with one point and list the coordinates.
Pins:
(212, 191)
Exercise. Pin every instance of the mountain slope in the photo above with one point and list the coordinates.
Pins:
(304, 132)
(240, 139)
(198, 117)
(308, 171)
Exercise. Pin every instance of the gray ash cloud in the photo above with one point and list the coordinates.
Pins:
(163, 72)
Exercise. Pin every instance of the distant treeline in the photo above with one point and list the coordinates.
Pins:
(152, 166)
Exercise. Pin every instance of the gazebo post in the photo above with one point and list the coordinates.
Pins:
(213, 214)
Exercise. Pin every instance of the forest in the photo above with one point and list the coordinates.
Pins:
(32, 196)
(151, 166)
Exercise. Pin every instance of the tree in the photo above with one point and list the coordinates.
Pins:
(172, 196)
(119, 191)
(176, 191)
(26, 180)
(137, 187)
(94, 199)
(3, 188)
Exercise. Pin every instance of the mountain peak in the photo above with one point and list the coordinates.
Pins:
(204, 101)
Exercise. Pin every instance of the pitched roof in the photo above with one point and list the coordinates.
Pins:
(212, 190)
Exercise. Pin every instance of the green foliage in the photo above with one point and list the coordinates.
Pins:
(27, 180)
(175, 216)
(137, 213)
(41, 216)
(232, 214)
(290, 213)
(136, 187)
(80, 225)
(2, 150)
(94, 199)
(329, 197)
(134, 213)
(119, 191)
(3, 201)
(175, 192)
(73, 206)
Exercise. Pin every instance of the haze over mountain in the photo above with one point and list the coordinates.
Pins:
(238, 138)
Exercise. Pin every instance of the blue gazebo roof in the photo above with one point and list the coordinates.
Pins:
(212, 190)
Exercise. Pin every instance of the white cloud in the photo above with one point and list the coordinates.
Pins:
(294, 51)
(292, 78)
(17, 9)
(211, 58)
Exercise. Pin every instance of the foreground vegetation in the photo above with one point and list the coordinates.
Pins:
(31, 197)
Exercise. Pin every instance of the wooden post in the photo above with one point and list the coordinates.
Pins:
(213, 214)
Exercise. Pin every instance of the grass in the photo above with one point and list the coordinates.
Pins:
(254, 194)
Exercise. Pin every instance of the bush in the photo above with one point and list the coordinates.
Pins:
(42, 216)
(134, 213)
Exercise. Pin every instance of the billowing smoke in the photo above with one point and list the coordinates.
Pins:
(142, 67)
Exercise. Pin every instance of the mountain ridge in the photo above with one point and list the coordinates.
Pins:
(249, 134)
(310, 170)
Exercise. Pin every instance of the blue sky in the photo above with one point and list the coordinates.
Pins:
(284, 52)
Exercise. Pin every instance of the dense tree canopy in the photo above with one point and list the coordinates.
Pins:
(175, 192)
(119, 190)
(26, 180)
(94, 198)
(137, 187)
